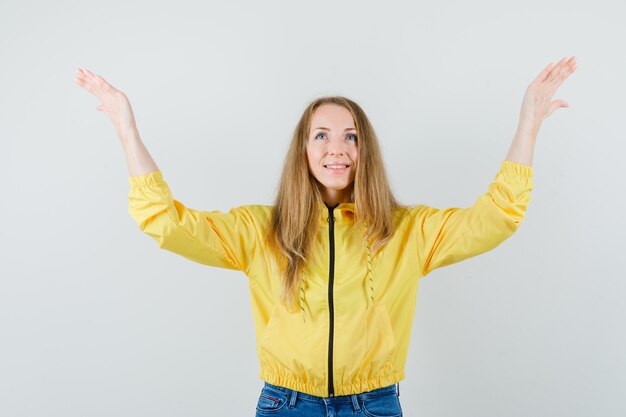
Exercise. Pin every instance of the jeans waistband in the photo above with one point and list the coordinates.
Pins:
(394, 388)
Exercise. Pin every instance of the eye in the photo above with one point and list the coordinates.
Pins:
(321, 133)
(351, 137)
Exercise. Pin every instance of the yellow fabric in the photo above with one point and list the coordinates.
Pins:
(370, 340)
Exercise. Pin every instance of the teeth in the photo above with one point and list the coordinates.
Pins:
(336, 166)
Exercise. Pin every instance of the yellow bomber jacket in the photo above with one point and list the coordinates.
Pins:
(352, 332)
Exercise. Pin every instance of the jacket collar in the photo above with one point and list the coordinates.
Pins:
(343, 212)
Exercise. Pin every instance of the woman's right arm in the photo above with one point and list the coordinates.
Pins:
(223, 239)
(117, 106)
(226, 240)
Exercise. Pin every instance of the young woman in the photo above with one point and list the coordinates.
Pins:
(334, 264)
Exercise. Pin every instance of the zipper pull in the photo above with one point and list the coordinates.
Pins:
(331, 215)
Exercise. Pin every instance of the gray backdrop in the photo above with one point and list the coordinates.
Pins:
(95, 320)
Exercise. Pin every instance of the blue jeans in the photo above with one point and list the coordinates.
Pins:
(281, 401)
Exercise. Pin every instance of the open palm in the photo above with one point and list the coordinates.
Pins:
(537, 103)
(113, 101)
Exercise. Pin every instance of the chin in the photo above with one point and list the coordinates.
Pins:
(336, 187)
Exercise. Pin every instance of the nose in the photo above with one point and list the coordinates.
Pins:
(336, 147)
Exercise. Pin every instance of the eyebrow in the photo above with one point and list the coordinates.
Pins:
(325, 128)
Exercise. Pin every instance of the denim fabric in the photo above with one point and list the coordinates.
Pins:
(280, 401)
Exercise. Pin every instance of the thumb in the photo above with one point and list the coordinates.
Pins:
(556, 104)
(100, 108)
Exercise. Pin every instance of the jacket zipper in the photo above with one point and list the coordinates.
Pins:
(331, 307)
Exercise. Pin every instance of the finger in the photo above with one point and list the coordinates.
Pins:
(104, 85)
(563, 67)
(556, 70)
(100, 82)
(542, 75)
(557, 104)
(80, 73)
(94, 80)
(88, 75)
(566, 67)
(563, 74)
(572, 64)
(89, 87)
(562, 62)
(82, 76)
(86, 85)
(552, 71)
(565, 59)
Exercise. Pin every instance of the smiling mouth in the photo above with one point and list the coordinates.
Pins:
(337, 169)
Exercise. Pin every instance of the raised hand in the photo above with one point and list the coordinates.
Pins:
(537, 103)
(116, 105)
(113, 102)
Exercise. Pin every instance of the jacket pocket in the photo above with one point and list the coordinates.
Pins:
(365, 345)
(294, 348)
(381, 340)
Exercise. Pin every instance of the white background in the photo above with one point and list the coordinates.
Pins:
(96, 320)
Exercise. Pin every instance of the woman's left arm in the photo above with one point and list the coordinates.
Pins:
(536, 106)
(447, 236)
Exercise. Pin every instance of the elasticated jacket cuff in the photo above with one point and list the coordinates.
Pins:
(516, 169)
(152, 178)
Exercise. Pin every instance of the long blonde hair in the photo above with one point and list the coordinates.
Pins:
(295, 214)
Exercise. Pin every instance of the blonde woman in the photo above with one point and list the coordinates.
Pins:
(334, 264)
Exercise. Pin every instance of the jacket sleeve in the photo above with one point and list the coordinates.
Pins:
(212, 238)
(447, 236)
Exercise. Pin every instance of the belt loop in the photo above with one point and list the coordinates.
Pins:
(292, 400)
(355, 403)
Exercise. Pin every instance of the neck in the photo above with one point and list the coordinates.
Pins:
(334, 197)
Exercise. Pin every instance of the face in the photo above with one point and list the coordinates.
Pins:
(332, 152)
